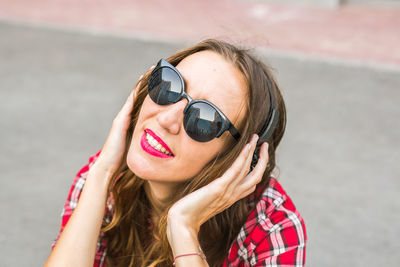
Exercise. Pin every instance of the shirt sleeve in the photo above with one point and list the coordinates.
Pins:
(273, 235)
(280, 238)
(74, 194)
(283, 246)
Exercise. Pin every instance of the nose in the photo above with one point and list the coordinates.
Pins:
(171, 116)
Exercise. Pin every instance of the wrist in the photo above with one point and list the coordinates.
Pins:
(179, 233)
(179, 219)
(101, 172)
(200, 253)
(185, 246)
(177, 225)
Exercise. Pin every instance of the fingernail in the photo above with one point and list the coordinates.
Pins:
(266, 146)
(254, 138)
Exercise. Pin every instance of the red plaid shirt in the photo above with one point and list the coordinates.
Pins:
(273, 235)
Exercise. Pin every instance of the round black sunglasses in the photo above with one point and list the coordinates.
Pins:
(203, 121)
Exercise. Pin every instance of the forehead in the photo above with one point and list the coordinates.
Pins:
(209, 76)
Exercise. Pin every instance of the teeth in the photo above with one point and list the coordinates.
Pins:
(155, 144)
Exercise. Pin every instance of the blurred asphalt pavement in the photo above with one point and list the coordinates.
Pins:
(60, 90)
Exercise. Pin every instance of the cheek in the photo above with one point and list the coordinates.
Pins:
(147, 110)
(134, 159)
(197, 155)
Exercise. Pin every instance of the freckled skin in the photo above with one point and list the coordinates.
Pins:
(207, 76)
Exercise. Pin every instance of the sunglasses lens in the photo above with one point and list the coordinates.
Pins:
(164, 86)
(202, 122)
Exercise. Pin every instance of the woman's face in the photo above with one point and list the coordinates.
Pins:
(207, 76)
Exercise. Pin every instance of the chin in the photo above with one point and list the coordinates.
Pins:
(142, 167)
(138, 165)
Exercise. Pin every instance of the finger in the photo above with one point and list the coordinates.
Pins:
(140, 80)
(134, 92)
(136, 89)
(150, 69)
(234, 175)
(236, 167)
(245, 167)
(255, 176)
(127, 107)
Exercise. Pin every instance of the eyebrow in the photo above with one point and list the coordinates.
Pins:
(186, 87)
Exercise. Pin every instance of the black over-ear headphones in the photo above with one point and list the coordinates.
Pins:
(268, 129)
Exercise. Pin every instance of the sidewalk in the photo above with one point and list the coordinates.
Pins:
(355, 33)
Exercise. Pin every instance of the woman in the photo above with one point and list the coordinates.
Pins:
(183, 176)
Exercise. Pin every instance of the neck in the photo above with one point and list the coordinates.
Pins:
(160, 195)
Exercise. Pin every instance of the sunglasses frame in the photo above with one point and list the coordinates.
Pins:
(227, 125)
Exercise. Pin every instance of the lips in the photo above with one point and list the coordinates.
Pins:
(147, 130)
(151, 150)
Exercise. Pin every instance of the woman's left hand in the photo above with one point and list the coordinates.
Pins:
(236, 183)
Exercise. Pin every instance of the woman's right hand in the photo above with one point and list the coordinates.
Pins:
(112, 153)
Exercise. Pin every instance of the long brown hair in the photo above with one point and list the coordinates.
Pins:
(130, 241)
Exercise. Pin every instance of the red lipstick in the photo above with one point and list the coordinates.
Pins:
(151, 150)
(150, 132)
